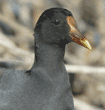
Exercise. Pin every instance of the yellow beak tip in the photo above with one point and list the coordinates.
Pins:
(86, 44)
(90, 48)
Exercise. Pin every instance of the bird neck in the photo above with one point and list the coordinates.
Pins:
(49, 56)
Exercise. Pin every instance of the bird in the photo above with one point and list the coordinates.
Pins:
(46, 85)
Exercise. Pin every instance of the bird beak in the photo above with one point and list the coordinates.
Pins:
(75, 35)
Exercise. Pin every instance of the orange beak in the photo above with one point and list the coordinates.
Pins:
(75, 35)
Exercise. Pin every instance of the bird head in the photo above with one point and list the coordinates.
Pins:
(58, 26)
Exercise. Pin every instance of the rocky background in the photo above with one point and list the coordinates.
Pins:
(17, 21)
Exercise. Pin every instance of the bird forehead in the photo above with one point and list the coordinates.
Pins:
(56, 12)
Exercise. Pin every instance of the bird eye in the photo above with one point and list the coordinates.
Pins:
(56, 22)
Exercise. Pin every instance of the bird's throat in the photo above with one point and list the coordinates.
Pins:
(49, 55)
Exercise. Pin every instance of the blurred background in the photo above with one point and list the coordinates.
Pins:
(85, 68)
